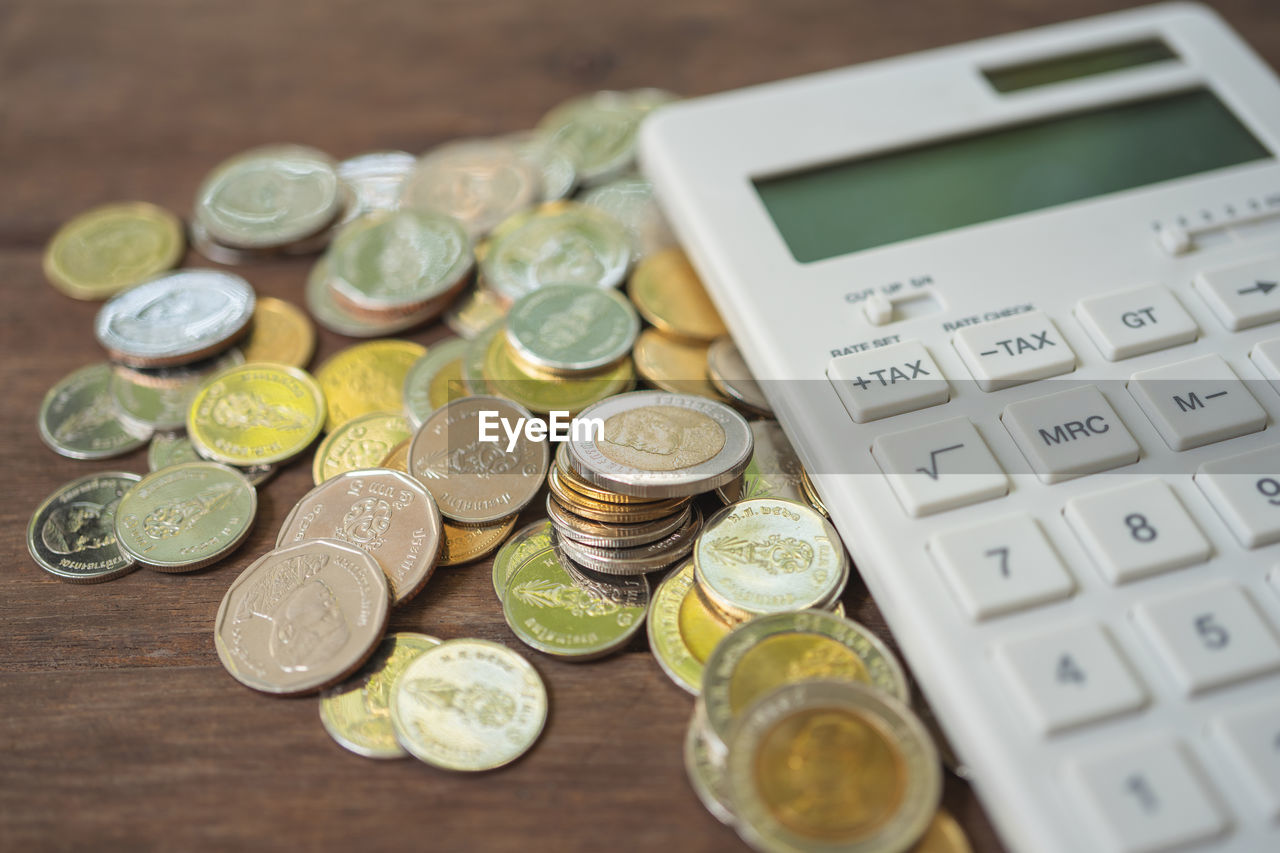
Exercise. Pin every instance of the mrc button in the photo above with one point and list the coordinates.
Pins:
(1070, 434)
(888, 381)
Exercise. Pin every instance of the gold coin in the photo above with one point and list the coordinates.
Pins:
(362, 442)
(673, 365)
(701, 627)
(470, 542)
(109, 248)
(366, 378)
(281, 333)
(546, 393)
(531, 539)
(666, 639)
(398, 458)
(668, 293)
(476, 310)
(811, 492)
(256, 414)
(944, 835)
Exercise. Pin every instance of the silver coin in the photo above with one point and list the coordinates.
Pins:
(774, 471)
(706, 770)
(177, 318)
(636, 560)
(630, 200)
(71, 534)
(375, 180)
(728, 371)
(398, 260)
(169, 449)
(600, 129)
(600, 534)
(572, 328)
(554, 164)
(479, 182)
(418, 381)
(335, 318)
(160, 398)
(78, 418)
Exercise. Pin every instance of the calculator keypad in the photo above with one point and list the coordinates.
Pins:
(1070, 434)
(1245, 491)
(1243, 295)
(888, 381)
(1251, 737)
(939, 467)
(1136, 322)
(1017, 349)
(1197, 402)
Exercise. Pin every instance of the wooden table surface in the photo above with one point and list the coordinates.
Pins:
(118, 726)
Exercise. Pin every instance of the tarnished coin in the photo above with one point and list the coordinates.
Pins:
(398, 260)
(169, 449)
(630, 200)
(72, 534)
(466, 543)
(159, 398)
(384, 513)
(571, 328)
(705, 769)
(665, 638)
(655, 444)
(476, 481)
(336, 318)
(545, 393)
(280, 333)
(765, 653)
(570, 244)
(303, 617)
(478, 182)
(361, 442)
(269, 196)
(476, 310)
(434, 379)
(674, 365)
(639, 559)
(186, 517)
(529, 540)
(561, 614)
(774, 470)
(78, 417)
(375, 180)
(109, 248)
(178, 318)
(768, 555)
(600, 129)
(668, 293)
(357, 713)
(602, 534)
(728, 372)
(366, 378)
(468, 705)
(822, 765)
(256, 414)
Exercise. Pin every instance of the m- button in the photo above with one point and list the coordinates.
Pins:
(1070, 434)
(1017, 349)
(1196, 402)
(888, 381)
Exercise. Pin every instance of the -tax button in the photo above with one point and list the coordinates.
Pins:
(888, 381)
(1070, 434)
(1017, 349)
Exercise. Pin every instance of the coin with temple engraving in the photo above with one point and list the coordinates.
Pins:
(72, 533)
(384, 513)
(476, 481)
(362, 442)
(159, 398)
(366, 378)
(468, 705)
(303, 617)
(78, 417)
(109, 248)
(256, 414)
(529, 540)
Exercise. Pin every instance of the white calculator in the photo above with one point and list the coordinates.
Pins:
(1017, 304)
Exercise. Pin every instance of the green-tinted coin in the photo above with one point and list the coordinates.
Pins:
(169, 449)
(389, 260)
(599, 130)
(160, 398)
(774, 469)
(78, 417)
(630, 200)
(527, 541)
(434, 379)
(572, 327)
(542, 393)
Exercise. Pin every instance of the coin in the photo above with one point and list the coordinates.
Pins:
(178, 318)
(303, 617)
(336, 318)
(728, 372)
(362, 442)
(570, 244)
(706, 770)
(78, 417)
(269, 196)
(366, 378)
(630, 200)
(702, 627)
(668, 293)
(529, 540)
(555, 612)
(944, 835)
(826, 765)
(601, 534)
(465, 543)
(475, 357)
(375, 180)
(185, 517)
(72, 533)
(280, 333)
(557, 174)
(357, 713)
(774, 470)
(170, 449)
(398, 260)
(159, 398)
(434, 379)
(479, 182)
(256, 414)
(639, 559)
(600, 129)
(384, 513)
(109, 248)
(571, 328)
(665, 638)
(569, 478)
(674, 365)
(468, 705)
(811, 493)
(655, 444)
(476, 310)
(475, 481)
(611, 512)
(544, 393)
(767, 555)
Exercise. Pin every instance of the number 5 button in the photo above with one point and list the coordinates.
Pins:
(1245, 490)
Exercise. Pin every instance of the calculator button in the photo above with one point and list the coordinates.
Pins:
(1136, 530)
(1196, 402)
(1069, 677)
(1001, 566)
(1070, 434)
(939, 467)
(1135, 322)
(1017, 349)
(1252, 740)
(1147, 797)
(1209, 637)
(1243, 296)
(1245, 490)
(888, 381)
(1266, 357)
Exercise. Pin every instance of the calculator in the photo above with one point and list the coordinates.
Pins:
(1017, 305)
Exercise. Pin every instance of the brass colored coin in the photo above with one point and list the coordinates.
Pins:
(78, 417)
(765, 653)
(671, 364)
(362, 442)
(256, 414)
(601, 534)
(398, 458)
(665, 637)
(366, 378)
(823, 765)
(468, 705)
(384, 513)
(474, 481)
(72, 534)
(109, 248)
(944, 835)
(543, 393)
(570, 478)
(476, 310)
(185, 517)
(612, 513)
(811, 493)
(702, 627)
(774, 470)
(280, 333)
(357, 713)
(529, 540)
(705, 768)
(466, 543)
(434, 379)
(729, 374)
(302, 618)
(668, 293)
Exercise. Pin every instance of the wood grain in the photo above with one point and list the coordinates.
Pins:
(119, 728)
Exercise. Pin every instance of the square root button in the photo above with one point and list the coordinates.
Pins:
(1070, 434)
(888, 381)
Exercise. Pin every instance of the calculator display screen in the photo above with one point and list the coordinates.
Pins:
(853, 205)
